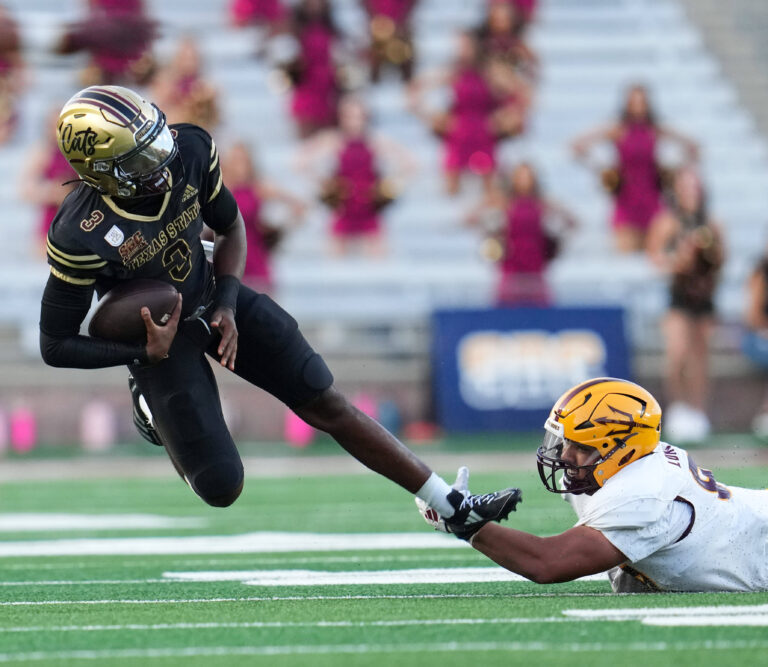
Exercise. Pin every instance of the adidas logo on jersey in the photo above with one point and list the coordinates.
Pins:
(189, 192)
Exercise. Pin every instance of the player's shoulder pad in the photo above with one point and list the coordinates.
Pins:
(635, 497)
(68, 254)
(196, 144)
(193, 136)
(65, 227)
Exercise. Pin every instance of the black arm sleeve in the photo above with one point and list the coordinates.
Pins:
(220, 213)
(63, 308)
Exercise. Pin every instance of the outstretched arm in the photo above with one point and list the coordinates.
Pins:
(419, 87)
(568, 219)
(690, 147)
(493, 200)
(582, 144)
(271, 192)
(575, 553)
(402, 164)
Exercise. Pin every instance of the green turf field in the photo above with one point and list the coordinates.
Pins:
(301, 572)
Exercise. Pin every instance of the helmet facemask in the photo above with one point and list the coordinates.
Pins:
(549, 458)
(143, 171)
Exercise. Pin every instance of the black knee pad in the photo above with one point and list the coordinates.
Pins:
(219, 484)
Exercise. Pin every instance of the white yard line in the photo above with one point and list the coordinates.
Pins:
(85, 582)
(289, 624)
(330, 649)
(251, 561)
(758, 621)
(261, 542)
(453, 575)
(443, 575)
(25, 522)
(753, 615)
(627, 613)
(297, 598)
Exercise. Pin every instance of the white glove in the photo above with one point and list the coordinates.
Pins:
(431, 515)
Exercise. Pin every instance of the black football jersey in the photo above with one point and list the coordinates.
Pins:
(94, 241)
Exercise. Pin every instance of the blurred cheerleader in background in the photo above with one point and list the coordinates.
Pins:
(528, 235)
(360, 185)
(637, 180)
(686, 245)
(391, 42)
(118, 35)
(252, 193)
(182, 90)
(313, 72)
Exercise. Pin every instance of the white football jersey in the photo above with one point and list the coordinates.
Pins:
(680, 529)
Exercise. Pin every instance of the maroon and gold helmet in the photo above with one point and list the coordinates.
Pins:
(116, 141)
(617, 421)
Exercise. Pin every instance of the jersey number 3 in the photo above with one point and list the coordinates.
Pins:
(705, 480)
(177, 258)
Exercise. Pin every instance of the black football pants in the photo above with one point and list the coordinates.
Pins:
(182, 394)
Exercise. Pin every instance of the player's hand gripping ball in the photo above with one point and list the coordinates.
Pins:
(118, 313)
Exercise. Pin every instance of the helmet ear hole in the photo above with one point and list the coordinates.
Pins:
(626, 458)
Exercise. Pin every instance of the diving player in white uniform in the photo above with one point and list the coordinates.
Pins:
(646, 511)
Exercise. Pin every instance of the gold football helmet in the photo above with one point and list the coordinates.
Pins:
(116, 141)
(606, 423)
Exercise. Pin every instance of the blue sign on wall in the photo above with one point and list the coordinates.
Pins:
(503, 369)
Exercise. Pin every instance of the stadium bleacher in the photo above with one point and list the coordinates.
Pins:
(589, 50)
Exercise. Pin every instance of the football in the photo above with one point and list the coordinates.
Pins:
(117, 315)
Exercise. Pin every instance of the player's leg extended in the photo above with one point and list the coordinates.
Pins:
(274, 355)
(365, 439)
(182, 395)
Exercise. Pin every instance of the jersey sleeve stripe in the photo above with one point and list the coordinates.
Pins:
(64, 262)
(213, 149)
(75, 258)
(214, 163)
(215, 191)
(77, 263)
(70, 279)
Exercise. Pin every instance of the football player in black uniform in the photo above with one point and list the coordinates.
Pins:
(146, 189)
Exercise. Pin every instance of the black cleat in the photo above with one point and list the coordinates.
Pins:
(142, 417)
(474, 511)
